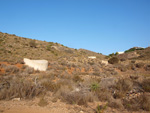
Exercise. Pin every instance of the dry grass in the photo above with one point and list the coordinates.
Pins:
(146, 85)
(103, 94)
(28, 70)
(51, 86)
(11, 69)
(115, 103)
(122, 87)
(139, 65)
(142, 102)
(77, 78)
(147, 67)
(43, 102)
(19, 89)
(70, 95)
(79, 98)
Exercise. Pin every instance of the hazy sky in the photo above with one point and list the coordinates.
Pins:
(103, 26)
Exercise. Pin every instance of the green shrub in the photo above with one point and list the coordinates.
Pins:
(133, 49)
(49, 47)
(94, 86)
(111, 55)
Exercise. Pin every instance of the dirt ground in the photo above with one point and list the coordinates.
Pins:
(31, 106)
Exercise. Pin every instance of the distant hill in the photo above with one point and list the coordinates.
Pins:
(136, 53)
(14, 48)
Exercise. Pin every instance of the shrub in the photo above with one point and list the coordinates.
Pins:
(42, 102)
(100, 108)
(122, 68)
(32, 43)
(139, 65)
(116, 53)
(146, 85)
(111, 55)
(11, 69)
(94, 86)
(79, 98)
(147, 67)
(28, 70)
(77, 78)
(113, 60)
(48, 47)
(130, 50)
(20, 89)
(115, 103)
(103, 94)
(69, 94)
(122, 87)
(142, 102)
(50, 86)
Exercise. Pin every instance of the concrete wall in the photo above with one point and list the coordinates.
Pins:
(92, 57)
(120, 53)
(40, 65)
(104, 62)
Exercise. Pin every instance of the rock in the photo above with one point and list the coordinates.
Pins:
(16, 99)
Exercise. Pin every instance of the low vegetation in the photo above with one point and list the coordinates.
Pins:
(72, 77)
(113, 60)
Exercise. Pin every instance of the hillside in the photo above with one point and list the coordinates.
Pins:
(14, 48)
(73, 83)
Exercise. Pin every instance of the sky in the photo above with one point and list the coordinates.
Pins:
(103, 26)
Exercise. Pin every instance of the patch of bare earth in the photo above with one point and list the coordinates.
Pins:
(31, 106)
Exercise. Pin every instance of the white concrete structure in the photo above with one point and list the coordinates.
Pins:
(40, 65)
(104, 62)
(92, 57)
(120, 53)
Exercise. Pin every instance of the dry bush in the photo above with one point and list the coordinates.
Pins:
(102, 94)
(20, 89)
(147, 67)
(77, 78)
(131, 66)
(43, 102)
(96, 68)
(146, 85)
(3, 65)
(50, 85)
(122, 87)
(113, 60)
(142, 102)
(29, 70)
(115, 103)
(32, 43)
(79, 98)
(121, 67)
(11, 69)
(139, 65)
